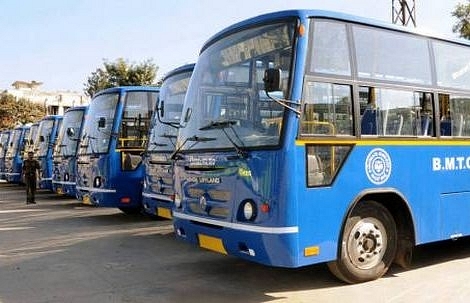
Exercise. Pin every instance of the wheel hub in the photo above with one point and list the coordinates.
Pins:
(367, 243)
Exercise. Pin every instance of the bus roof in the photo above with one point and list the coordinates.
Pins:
(182, 69)
(120, 89)
(22, 127)
(305, 13)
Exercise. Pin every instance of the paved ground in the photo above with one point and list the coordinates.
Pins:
(61, 251)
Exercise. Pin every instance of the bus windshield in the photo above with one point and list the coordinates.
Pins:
(14, 142)
(226, 104)
(165, 126)
(97, 130)
(44, 133)
(3, 143)
(69, 133)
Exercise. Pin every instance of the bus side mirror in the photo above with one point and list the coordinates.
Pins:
(272, 79)
(71, 132)
(102, 122)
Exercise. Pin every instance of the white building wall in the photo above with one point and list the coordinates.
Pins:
(56, 102)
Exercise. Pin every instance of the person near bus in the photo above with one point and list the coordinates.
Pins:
(30, 167)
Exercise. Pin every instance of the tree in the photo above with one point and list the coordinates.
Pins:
(120, 73)
(462, 13)
(14, 113)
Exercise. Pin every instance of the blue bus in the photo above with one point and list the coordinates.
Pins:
(65, 152)
(14, 155)
(311, 136)
(109, 162)
(4, 139)
(158, 193)
(44, 147)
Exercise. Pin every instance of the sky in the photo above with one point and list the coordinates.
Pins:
(61, 42)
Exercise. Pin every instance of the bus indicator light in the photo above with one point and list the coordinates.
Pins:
(125, 200)
(264, 207)
(312, 251)
(301, 30)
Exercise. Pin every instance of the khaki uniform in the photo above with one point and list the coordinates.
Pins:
(30, 167)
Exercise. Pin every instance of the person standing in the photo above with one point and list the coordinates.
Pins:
(30, 167)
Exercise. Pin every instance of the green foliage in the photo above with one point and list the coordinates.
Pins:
(120, 73)
(462, 13)
(14, 113)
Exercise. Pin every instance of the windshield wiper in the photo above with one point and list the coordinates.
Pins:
(218, 124)
(176, 155)
(223, 125)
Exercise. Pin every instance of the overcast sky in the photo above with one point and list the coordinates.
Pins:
(61, 42)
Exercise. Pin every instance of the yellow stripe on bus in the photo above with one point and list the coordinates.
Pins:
(386, 142)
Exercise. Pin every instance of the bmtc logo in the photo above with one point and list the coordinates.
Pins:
(378, 166)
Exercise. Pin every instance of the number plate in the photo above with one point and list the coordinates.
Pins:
(164, 213)
(211, 243)
(86, 200)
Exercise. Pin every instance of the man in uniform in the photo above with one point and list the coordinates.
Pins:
(30, 167)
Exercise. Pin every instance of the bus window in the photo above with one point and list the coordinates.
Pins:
(379, 52)
(324, 162)
(136, 119)
(327, 109)
(455, 115)
(330, 51)
(451, 65)
(390, 112)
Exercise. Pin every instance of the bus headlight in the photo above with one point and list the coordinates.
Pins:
(248, 210)
(97, 182)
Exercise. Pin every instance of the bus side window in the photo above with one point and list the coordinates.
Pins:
(130, 160)
(392, 112)
(455, 115)
(327, 110)
(368, 111)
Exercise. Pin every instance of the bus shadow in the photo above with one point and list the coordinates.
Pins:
(436, 253)
(245, 275)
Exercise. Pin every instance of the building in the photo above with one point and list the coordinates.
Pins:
(55, 102)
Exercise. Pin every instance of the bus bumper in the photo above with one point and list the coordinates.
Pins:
(274, 249)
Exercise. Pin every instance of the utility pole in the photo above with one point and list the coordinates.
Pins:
(403, 13)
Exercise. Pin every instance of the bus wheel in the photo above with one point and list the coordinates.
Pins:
(368, 244)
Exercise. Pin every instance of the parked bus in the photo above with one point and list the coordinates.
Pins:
(158, 193)
(14, 155)
(4, 138)
(109, 163)
(65, 152)
(44, 147)
(369, 154)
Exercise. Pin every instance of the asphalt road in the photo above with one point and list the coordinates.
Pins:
(62, 251)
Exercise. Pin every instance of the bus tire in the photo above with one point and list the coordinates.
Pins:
(368, 244)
